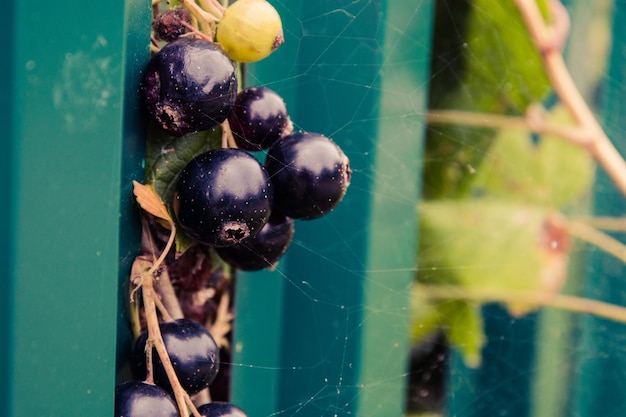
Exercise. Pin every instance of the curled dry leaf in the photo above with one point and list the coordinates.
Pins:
(151, 202)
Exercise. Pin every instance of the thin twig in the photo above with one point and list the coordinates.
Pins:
(572, 134)
(202, 15)
(547, 39)
(589, 234)
(228, 140)
(561, 301)
(156, 339)
(610, 224)
(214, 7)
(167, 294)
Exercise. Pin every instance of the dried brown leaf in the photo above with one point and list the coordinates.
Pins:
(151, 202)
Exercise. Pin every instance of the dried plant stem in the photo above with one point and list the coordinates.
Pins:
(214, 7)
(548, 40)
(560, 301)
(610, 224)
(199, 13)
(228, 140)
(531, 124)
(589, 234)
(155, 339)
(152, 302)
(168, 302)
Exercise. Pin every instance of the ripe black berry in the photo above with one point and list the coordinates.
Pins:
(170, 24)
(264, 249)
(189, 86)
(258, 119)
(310, 174)
(221, 409)
(222, 197)
(138, 399)
(192, 350)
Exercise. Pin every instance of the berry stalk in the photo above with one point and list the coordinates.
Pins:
(156, 340)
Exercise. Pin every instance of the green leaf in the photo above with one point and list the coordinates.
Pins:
(488, 245)
(483, 61)
(460, 320)
(167, 155)
(484, 246)
(505, 72)
(552, 173)
(463, 323)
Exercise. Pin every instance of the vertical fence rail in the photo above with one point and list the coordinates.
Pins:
(600, 378)
(327, 333)
(64, 102)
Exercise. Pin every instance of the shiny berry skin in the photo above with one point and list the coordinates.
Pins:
(263, 250)
(258, 119)
(188, 86)
(250, 30)
(221, 409)
(139, 399)
(222, 197)
(310, 174)
(192, 350)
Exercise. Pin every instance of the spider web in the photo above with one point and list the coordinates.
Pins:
(327, 332)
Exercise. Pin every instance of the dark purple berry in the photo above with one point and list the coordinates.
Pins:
(192, 350)
(139, 399)
(258, 119)
(310, 174)
(170, 24)
(189, 86)
(222, 197)
(221, 409)
(264, 249)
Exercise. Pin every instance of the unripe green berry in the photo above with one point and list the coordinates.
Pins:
(250, 30)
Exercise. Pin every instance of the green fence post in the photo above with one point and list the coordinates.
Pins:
(327, 333)
(598, 387)
(64, 105)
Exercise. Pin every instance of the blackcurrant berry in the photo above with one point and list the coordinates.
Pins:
(264, 249)
(170, 24)
(258, 119)
(250, 30)
(192, 350)
(139, 399)
(221, 409)
(310, 174)
(188, 86)
(222, 197)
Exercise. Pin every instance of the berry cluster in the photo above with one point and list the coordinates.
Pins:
(230, 207)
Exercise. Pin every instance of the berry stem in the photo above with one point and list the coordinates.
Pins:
(168, 246)
(228, 141)
(156, 339)
(200, 14)
(194, 31)
(167, 303)
(610, 224)
(561, 301)
(589, 234)
(529, 123)
(214, 7)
